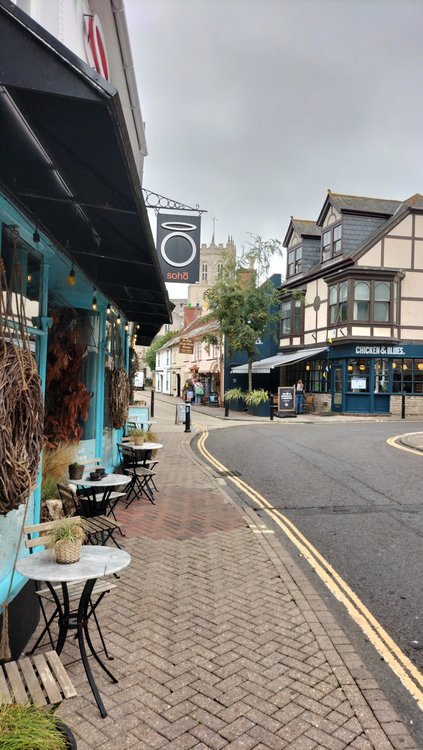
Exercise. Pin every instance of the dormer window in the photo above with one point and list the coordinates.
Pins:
(331, 242)
(295, 260)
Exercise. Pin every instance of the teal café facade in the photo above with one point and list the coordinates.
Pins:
(72, 213)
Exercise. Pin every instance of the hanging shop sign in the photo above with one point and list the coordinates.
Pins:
(95, 45)
(186, 346)
(178, 246)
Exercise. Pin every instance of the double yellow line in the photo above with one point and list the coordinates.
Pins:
(409, 675)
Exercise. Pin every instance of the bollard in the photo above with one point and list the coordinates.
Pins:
(403, 406)
(272, 411)
(152, 404)
(187, 417)
(226, 405)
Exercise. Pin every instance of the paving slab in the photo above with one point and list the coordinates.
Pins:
(219, 640)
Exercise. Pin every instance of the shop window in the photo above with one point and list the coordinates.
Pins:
(295, 260)
(316, 377)
(407, 376)
(381, 372)
(358, 371)
(331, 242)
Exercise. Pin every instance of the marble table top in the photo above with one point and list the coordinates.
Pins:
(111, 480)
(95, 561)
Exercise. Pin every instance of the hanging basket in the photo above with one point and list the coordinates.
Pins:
(67, 552)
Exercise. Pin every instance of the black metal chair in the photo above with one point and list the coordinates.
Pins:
(141, 476)
(99, 529)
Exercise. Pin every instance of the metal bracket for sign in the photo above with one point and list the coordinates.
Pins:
(159, 202)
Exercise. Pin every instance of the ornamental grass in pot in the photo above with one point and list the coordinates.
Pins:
(137, 436)
(28, 727)
(65, 537)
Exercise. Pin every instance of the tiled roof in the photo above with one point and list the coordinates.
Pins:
(304, 226)
(363, 204)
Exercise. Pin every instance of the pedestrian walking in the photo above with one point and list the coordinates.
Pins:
(199, 392)
(299, 397)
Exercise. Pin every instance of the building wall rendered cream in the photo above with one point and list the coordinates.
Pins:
(397, 253)
(373, 257)
(382, 332)
(418, 254)
(404, 228)
(412, 334)
(361, 331)
(418, 226)
(411, 312)
(332, 217)
(412, 285)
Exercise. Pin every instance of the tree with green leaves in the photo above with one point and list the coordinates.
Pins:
(243, 302)
(150, 355)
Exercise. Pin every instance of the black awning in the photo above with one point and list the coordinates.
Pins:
(66, 159)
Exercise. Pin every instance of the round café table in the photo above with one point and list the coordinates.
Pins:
(97, 506)
(95, 562)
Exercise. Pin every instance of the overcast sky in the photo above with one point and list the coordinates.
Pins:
(253, 108)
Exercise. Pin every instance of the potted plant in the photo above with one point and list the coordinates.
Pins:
(234, 397)
(137, 436)
(257, 401)
(28, 726)
(65, 536)
(76, 470)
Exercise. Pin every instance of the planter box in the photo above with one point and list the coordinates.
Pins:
(263, 410)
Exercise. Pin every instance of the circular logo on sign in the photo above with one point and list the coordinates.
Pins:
(178, 249)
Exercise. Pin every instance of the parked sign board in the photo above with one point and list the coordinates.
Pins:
(181, 411)
(286, 398)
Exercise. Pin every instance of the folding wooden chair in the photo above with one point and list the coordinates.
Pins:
(141, 477)
(99, 529)
(102, 586)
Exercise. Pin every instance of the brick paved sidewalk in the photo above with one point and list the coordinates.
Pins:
(218, 639)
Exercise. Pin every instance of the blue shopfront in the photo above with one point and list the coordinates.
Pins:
(364, 377)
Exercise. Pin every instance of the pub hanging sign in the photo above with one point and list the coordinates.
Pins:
(186, 346)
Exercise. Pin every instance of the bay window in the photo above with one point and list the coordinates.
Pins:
(363, 300)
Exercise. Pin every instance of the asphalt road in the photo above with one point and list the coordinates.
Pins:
(356, 499)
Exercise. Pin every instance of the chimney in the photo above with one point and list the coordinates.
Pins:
(191, 314)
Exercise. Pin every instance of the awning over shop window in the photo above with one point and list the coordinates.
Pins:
(279, 360)
(66, 160)
(210, 366)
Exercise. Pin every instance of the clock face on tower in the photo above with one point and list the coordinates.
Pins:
(178, 245)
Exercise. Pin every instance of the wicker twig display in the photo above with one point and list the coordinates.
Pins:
(119, 397)
(21, 401)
